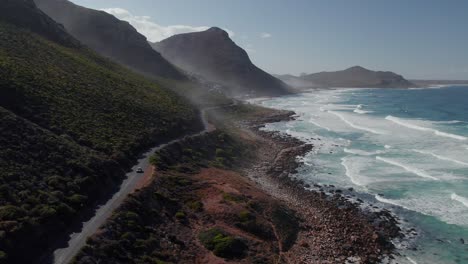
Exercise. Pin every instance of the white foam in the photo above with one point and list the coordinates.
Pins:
(415, 171)
(449, 122)
(435, 86)
(387, 146)
(317, 124)
(411, 260)
(460, 199)
(359, 110)
(362, 152)
(435, 205)
(350, 173)
(392, 202)
(420, 128)
(354, 125)
(441, 157)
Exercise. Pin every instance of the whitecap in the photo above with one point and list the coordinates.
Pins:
(359, 110)
(420, 128)
(441, 157)
(354, 125)
(387, 146)
(415, 171)
(362, 152)
(460, 199)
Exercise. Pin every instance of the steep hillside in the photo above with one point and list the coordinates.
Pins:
(213, 55)
(352, 77)
(110, 37)
(71, 122)
(25, 14)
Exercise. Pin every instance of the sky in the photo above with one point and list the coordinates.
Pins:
(420, 39)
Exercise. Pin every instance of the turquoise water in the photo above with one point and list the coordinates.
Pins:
(407, 149)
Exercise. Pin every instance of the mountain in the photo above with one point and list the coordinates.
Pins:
(213, 55)
(110, 37)
(71, 124)
(356, 76)
(34, 20)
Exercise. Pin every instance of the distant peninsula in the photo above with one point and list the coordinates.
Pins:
(353, 77)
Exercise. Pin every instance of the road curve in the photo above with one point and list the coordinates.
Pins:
(78, 240)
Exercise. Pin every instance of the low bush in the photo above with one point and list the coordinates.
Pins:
(222, 244)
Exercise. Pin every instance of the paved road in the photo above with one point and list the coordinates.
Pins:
(78, 240)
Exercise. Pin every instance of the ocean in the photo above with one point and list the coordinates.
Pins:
(401, 149)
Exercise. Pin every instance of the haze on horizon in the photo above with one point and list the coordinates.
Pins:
(418, 39)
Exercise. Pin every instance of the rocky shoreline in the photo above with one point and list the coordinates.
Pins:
(333, 229)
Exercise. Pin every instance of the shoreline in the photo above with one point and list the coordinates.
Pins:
(335, 229)
(248, 196)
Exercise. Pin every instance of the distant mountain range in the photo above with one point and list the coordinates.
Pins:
(356, 76)
(110, 37)
(213, 55)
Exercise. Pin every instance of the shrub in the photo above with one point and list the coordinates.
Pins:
(230, 197)
(245, 216)
(196, 205)
(222, 244)
(180, 215)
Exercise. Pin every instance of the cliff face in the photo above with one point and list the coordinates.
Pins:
(213, 55)
(352, 77)
(110, 37)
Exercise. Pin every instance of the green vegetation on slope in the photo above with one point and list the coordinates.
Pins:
(45, 180)
(77, 93)
(71, 123)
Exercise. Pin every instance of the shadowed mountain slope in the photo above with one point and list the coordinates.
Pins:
(110, 37)
(71, 123)
(213, 55)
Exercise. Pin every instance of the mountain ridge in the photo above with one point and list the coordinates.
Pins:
(110, 37)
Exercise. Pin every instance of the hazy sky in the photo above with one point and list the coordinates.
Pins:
(417, 38)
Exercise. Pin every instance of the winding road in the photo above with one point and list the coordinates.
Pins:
(78, 240)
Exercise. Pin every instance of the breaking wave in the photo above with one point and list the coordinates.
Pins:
(441, 157)
(359, 110)
(362, 152)
(354, 125)
(460, 199)
(350, 173)
(420, 128)
(415, 171)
